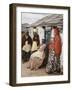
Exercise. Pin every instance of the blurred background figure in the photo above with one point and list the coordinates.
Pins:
(26, 46)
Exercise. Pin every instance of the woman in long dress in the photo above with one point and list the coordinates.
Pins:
(37, 58)
(55, 47)
(35, 41)
(26, 47)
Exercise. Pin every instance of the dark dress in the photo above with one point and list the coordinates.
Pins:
(25, 54)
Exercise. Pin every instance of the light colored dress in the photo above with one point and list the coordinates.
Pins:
(37, 58)
(34, 46)
(26, 47)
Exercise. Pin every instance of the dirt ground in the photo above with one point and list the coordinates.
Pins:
(25, 72)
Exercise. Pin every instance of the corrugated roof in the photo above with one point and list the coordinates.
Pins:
(50, 20)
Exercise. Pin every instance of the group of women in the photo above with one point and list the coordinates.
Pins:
(35, 53)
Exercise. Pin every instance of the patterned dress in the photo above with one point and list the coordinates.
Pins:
(51, 65)
(55, 48)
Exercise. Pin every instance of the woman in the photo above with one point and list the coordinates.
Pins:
(37, 58)
(36, 42)
(55, 47)
(26, 46)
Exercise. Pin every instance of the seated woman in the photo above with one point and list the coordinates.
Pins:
(37, 58)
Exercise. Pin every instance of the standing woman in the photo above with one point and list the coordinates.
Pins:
(36, 41)
(26, 47)
(55, 47)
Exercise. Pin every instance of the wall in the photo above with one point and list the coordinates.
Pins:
(4, 45)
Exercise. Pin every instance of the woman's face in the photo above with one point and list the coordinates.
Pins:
(52, 33)
(26, 36)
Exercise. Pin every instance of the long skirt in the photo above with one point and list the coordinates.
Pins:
(53, 64)
(25, 56)
(35, 63)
